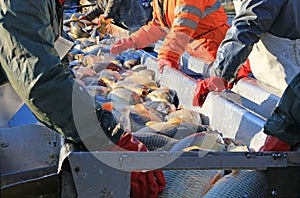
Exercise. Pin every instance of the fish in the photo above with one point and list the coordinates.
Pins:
(163, 107)
(122, 97)
(91, 81)
(109, 76)
(139, 67)
(77, 31)
(164, 94)
(146, 81)
(243, 183)
(81, 72)
(188, 183)
(131, 58)
(185, 115)
(137, 88)
(97, 90)
(174, 129)
(208, 141)
(139, 116)
(145, 72)
(89, 60)
(154, 141)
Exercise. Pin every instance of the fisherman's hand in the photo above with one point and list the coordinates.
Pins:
(143, 184)
(122, 45)
(203, 87)
(165, 62)
(272, 143)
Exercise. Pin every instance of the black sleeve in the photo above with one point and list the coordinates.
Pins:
(255, 18)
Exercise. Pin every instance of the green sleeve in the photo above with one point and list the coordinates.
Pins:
(28, 30)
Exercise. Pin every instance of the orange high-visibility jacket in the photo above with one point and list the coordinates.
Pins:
(188, 25)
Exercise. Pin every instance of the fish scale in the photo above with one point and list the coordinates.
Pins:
(155, 141)
(243, 184)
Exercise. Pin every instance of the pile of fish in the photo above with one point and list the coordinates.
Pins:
(152, 112)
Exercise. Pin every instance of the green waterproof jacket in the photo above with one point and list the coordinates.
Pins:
(30, 63)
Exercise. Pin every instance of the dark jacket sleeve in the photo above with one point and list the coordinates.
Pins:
(33, 68)
(112, 7)
(284, 123)
(255, 18)
(96, 10)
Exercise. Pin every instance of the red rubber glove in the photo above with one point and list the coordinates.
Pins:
(244, 71)
(83, 17)
(203, 87)
(122, 45)
(143, 184)
(272, 143)
(165, 62)
(61, 2)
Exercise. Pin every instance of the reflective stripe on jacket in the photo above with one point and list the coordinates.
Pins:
(189, 20)
(278, 17)
(186, 20)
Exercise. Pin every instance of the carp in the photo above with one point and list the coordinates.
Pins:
(146, 81)
(174, 129)
(186, 116)
(163, 107)
(154, 141)
(164, 94)
(138, 116)
(209, 141)
(137, 88)
(122, 97)
(244, 183)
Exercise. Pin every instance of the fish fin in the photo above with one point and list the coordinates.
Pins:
(187, 149)
(140, 107)
(175, 120)
(212, 182)
(234, 172)
(149, 123)
(107, 106)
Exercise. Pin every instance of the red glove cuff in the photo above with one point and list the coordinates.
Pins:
(168, 63)
(203, 87)
(244, 71)
(272, 143)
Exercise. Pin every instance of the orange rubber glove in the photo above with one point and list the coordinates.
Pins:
(122, 45)
(272, 143)
(203, 87)
(143, 184)
(165, 62)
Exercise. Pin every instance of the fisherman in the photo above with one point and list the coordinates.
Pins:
(128, 14)
(194, 26)
(273, 27)
(284, 123)
(31, 64)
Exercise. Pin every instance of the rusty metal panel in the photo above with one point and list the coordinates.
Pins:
(93, 178)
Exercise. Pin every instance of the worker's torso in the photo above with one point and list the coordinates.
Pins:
(212, 15)
(287, 24)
